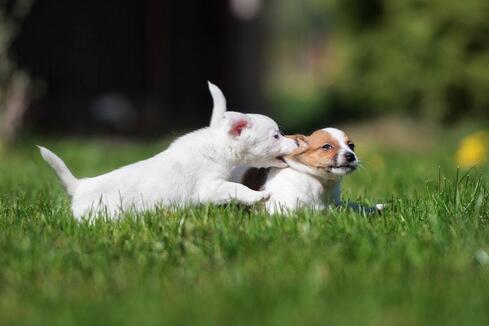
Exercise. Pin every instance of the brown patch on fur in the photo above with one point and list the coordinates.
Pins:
(314, 155)
(255, 178)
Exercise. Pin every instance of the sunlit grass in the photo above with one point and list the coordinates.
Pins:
(418, 263)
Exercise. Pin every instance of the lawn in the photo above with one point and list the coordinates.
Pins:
(421, 262)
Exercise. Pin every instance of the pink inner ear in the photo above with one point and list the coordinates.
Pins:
(237, 127)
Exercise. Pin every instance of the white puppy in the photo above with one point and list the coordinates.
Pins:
(194, 169)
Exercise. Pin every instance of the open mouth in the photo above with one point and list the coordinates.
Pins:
(281, 162)
(342, 167)
(281, 158)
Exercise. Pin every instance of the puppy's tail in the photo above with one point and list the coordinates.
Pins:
(64, 174)
(219, 104)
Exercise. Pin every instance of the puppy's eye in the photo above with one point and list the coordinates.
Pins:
(352, 146)
(327, 147)
(276, 135)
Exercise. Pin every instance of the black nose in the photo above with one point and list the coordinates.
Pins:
(350, 157)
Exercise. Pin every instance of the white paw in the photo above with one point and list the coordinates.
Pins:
(253, 198)
(258, 197)
(263, 196)
(380, 207)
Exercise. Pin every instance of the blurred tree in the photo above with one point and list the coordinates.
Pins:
(299, 61)
(14, 83)
(425, 58)
(138, 67)
(429, 58)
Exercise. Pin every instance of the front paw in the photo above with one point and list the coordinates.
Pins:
(258, 197)
(380, 207)
(265, 196)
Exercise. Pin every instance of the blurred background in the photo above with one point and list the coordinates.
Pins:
(139, 68)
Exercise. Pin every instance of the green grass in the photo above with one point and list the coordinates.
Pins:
(229, 265)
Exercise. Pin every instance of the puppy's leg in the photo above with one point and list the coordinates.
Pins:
(227, 191)
(378, 208)
(359, 208)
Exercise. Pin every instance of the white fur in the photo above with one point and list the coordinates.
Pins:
(69, 182)
(219, 107)
(194, 169)
(218, 111)
(291, 189)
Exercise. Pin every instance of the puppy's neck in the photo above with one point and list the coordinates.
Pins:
(330, 185)
(226, 150)
(327, 181)
(307, 187)
(221, 150)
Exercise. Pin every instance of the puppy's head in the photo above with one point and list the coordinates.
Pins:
(256, 140)
(327, 153)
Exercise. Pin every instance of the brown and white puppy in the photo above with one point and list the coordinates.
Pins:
(313, 176)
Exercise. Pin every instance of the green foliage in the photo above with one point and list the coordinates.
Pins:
(228, 265)
(429, 58)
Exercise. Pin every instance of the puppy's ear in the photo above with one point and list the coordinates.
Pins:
(236, 122)
(300, 140)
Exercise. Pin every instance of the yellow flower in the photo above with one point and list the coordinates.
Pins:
(473, 149)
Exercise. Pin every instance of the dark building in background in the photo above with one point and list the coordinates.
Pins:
(137, 67)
